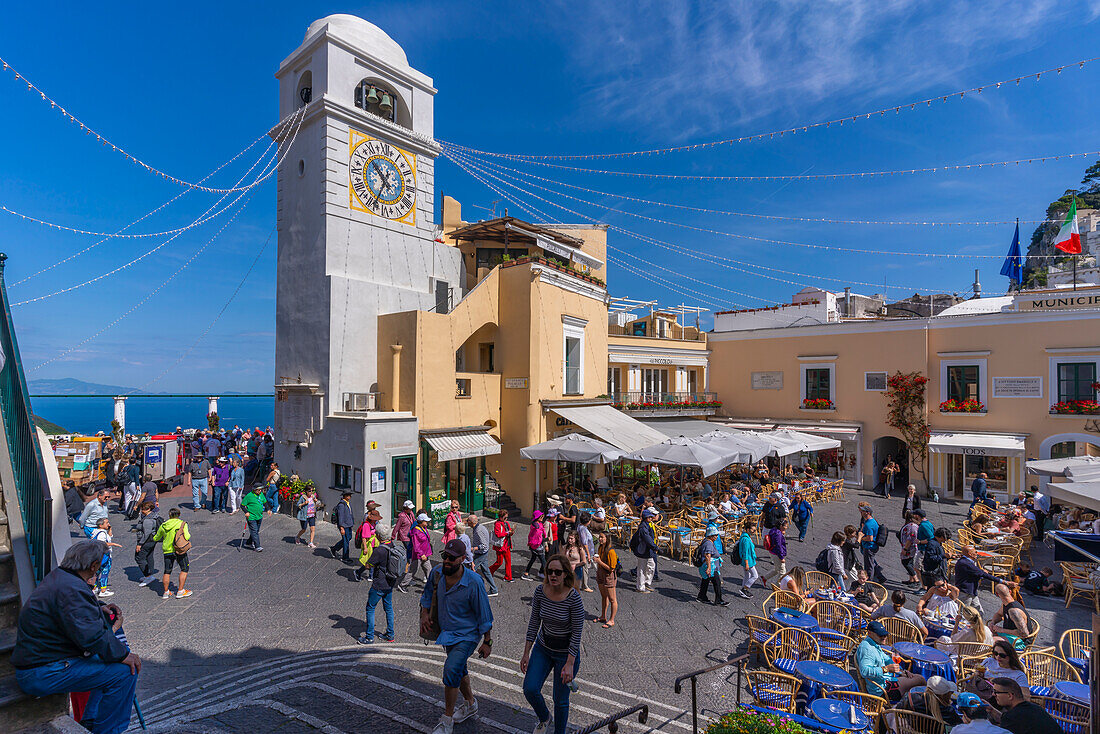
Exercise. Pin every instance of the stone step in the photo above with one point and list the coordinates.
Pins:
(9, 605)
(10, 692)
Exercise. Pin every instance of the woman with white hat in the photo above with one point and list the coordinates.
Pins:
(420, 540)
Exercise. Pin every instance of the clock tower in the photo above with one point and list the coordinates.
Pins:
(356, 225)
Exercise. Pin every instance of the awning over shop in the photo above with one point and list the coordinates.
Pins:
(461, 443)
(675, 427)
(613, 426)
(1081, 494)
(850, 433)
(979, 444)
(1059, 467)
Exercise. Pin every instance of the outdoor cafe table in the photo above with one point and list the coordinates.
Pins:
(839, 714)
(1073, 691)
(790, 618)
(926, 661)
(817, 675)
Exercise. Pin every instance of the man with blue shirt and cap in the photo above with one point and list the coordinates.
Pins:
(876, 666)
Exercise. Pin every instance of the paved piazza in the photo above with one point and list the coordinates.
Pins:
(267, 641)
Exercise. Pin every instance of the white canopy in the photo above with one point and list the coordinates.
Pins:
(572, 447)
(709, 457)
(750, 446)
(612, 426)
(1058, 467)
(461, 443)
(784, 442)
(1081, 494)
(686, 427)
(983, 444)
(809, 441)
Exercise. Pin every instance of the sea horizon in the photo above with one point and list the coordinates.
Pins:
(152, 413)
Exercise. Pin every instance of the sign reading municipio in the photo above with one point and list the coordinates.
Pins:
(1017, 387)
(767, 380)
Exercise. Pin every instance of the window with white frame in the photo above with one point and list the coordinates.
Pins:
(818, 381)
(963, 379)
(1072, 377)
(572, 355)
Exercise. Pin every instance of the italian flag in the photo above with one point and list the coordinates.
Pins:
(1069, 238)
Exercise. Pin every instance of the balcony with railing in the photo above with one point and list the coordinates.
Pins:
(646, 330)
(656, 404)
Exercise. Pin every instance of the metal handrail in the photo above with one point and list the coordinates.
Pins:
(611, 722)
(31, 487)
(678, 686)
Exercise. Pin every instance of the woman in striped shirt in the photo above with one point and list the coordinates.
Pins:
(553, 643)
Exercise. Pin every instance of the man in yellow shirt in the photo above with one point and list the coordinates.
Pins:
(166, 536)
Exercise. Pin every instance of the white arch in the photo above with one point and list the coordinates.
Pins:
(1050, 441)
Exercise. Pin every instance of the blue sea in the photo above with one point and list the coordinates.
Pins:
(153, 413)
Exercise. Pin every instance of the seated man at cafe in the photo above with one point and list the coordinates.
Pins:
(65, 642)
(882, 675)
(896, 608)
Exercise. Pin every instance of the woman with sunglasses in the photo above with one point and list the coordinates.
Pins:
(577, 555)
(1004, 662)
(553, 643)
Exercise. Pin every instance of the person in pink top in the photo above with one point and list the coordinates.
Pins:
(421, 538)
(402, 526)
(454, 519)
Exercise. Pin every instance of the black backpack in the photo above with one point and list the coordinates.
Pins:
(735, 553)
(882, 536)
(697, 556)
(395, 564)
(822, 562)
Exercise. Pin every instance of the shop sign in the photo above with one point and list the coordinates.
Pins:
(1017, 387)
(515, 383)
(559, 421)
(973, 452)
(439, 513)
(1059, 302)
(767, 380)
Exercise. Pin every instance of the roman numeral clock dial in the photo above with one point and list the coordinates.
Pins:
(383, 178)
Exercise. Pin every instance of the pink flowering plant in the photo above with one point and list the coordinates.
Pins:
(749, 721)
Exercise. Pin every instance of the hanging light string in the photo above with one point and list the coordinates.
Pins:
(797, 129)
(145, 216)
(271, 167)
(450, 153)
(771, 217)
(31, 87)
(794, 177)
(209, 328)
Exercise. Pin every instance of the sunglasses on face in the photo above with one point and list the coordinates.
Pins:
(555, 572)
(449, 557)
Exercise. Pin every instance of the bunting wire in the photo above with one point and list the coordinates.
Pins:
(908, 106)
(31, 87)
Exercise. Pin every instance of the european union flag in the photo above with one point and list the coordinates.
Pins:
(1014, 263)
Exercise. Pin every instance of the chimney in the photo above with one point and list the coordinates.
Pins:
(847, 302)
(396, 399)
(977, 285)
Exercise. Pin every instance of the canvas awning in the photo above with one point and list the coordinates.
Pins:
(688, 428)
(976, 444)
(843, 432)
(461, 443)
(1059, 467)
(613, 426)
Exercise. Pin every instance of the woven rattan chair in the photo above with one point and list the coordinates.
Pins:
(790, 643)
(1075, 643)
(773, 689)
(1070, 715)
(877, 590)
(1078, 581)
(819, 580)
(1046, 669)
(778, 599)
(898, 630)
(910, 722)
(760, 629)
(834, 647)
(974, 651)
(833, 615)
(866, 686)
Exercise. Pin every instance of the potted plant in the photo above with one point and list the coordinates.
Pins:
(962, 406)
(290, 488)
(750, 721)
(817, 404)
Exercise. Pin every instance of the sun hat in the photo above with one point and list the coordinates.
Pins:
(536, 514)
(554, 512)
(712, 531)
(423, 517)
(941, 686)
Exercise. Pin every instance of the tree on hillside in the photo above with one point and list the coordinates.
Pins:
(1042, 239)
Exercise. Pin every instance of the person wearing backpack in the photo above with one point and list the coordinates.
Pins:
(143, 552)
(644, 546)
(801, 512)
(421, 540)
(831, 560)
(538, 538)
(708, 559)
(388, 560)
(175, 540)
(870, 541)
(744, 554)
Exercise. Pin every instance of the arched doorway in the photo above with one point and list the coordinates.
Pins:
(883, 449)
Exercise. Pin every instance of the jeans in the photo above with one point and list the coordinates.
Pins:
(217, 497)
(802, 528)
(144, 557)
(539, 666)
(481, 565)
(198, 491)
(886, 490)
(272, 495)
(254, 532)
(344, 542)
(111, 685)
(387, 604)
(841, 580)
(537, 554)
(454, 670)
(874, 572)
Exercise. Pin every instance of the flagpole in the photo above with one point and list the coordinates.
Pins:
(1073, 200)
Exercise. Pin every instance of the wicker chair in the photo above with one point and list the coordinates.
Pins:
(910, 722)
(866, 686)
(834, 647)
(1075, 643)
(898, 630)
(778, 599)
(773, 690)
(869, 704)
(877, 590)
(760, 629)
(1077, 581)
(833, 615)
(1070, 715)
(972, 651)
(790, 643)
(819, 580)
(1046, 669)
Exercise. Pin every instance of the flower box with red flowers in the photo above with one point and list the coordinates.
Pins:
(962, 406)
(1076, 407)
(817, 404)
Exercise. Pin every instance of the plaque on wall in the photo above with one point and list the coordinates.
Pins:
(1017, 387)
(767, 380)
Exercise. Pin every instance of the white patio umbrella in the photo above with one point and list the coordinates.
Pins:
(572, 447)
(709, 457)
(1082, 494)
(781, 444)
(750, 447)
(809, 441)
(1058, 467)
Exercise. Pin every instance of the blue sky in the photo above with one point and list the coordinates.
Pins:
(186, 92)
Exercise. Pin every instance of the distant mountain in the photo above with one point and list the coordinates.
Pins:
(72, 386)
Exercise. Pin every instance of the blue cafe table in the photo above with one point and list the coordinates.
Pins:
(1073, 691)
(790, 618)
(926, 661)
(818, 676)
(839, 714)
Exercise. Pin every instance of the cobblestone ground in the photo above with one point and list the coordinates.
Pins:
(267, 641)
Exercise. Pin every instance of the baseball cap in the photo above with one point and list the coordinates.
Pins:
(422, 517)
(968, 701)
(455, 548)
(648, 512)
(877, 627)
(409, 504)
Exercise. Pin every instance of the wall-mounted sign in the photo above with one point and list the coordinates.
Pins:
(373, 445)
(378, 479)
(515, 383)
(657, 360)
(1017, 387)
(874, 381)
(767, 380)
(1059, 302)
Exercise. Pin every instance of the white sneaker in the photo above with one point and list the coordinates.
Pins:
(543, 727)
(446, 725)
(465, 710)
(166, 595)
(145, 581)
(105, 593)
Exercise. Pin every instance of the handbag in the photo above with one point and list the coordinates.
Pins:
(434, 629)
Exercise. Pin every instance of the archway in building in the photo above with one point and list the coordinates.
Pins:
(883, 449)
(1064, 445)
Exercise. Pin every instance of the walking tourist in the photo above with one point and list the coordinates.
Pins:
(175, 541)
(421, 541)
(910, 502)
(607, 579)
(307, 515)
(146, 546)
(909, 549)
(889, 471)
(868, 543)
(585, 540)
(345, 521)
(577, 555)
(465, 619)
(94, 511)
(366, 541)
(199, 471)
(388, 560)
(710, 570)
(480, 544)
(553, 644)
(775, 542)
(271, 481)
(874, 664)
(967, 577)
(802, 513)
(103, 534)
(502, 545)
(452, 523)
(147, 493)
(1021, 716)
(236, 485)
(834, 560)
(220, 491)
(65, 642)
(933, 558)
(253, 506)
(402, 530)
(979, 489)
(851, 551)
(745, 556)
(538, 538)
(644, 545)
(128, 482)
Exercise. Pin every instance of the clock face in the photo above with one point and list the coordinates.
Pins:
(383, 179)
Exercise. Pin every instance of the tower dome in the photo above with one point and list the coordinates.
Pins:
(361, 34)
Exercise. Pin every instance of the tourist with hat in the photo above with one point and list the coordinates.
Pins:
(876, 666)
(402, 528)
(345, 521)
(538, 540)
(420, 538)
(465, 626)
(253, 506)
(936, 700)
(219, 491)
(975, 717)
(644, 545)
(710, 571)
(365, 540)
